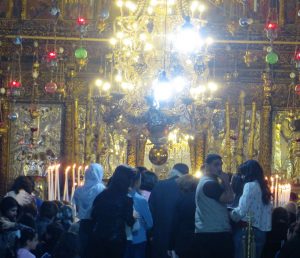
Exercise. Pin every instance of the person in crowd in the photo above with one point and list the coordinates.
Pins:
(27, 243)
(277, 236)
(291, 249)
(149, 180)
(255, 206)
(183, 221)
(162, 203)
(291, 208)
(68, 246)
(112, 211)
(136, 248)
(212, 226)
(237, 184)
(65, 215)
(47, 214)
(84, 197)
(27, 220)
(21, 190)
(53, 233)
(38, 200)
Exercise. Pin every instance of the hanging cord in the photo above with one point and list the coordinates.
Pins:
(165, 31)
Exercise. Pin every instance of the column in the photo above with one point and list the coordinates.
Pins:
(68, 135)
(241, 130)
(265, 150)
(197, 151)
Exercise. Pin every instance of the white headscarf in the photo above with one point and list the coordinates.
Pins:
(85, 195)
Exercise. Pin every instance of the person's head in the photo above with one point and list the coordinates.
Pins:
(68, 246)
(66, 216)
(28, 239)
(48, 210)
(187, 183)
(28, 220)
(22, 183)
(122, 179)
(136, 181)
(252, 171)
(293, 231)
(293, 197)
(291, 207)
(9, 208)
(213, 164)
(149, 180)
(94, 174)
(54, 232)
(280, 216)
(179, 169)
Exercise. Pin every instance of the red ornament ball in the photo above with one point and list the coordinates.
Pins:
(81, 21)
(297, 89)
(51, 87)
(15, 84)
(52, 55)
(272, 26)
(297, 56)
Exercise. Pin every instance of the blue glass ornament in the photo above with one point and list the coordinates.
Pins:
(104, 14)
(13, 116)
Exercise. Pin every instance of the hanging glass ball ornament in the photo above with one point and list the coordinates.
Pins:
(272, 58)
(15, 84)
(81, 53)
(297, 89)
(158, 155)
(18, 40)
(104, 14)
(292, 75)
(51, 87)
(13, 116)
(54, 11)
(150, 26)
(272, 30)
(2, 90)
(244, 22)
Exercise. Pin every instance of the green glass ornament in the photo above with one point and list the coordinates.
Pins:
(81, 53)
(272, 58)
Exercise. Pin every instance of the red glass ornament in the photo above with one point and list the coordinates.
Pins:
(15, 84)
(297, 56)
(51, 87)
(81, 21)
(52, 55)
(272, 26)
(297, 89)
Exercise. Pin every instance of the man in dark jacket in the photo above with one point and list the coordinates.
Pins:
(162, 203)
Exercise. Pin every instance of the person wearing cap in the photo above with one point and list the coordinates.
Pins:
(162, 203)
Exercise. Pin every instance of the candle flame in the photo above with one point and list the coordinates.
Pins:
(68, 168)
(57, 166)
(277, 176)
(74, 166)
(79, 167)
(86, 167)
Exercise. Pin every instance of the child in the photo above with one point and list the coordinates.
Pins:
(27, 242)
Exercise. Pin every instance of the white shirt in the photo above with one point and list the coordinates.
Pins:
(251, 204)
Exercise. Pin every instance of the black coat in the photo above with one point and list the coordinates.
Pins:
(162, 201)
(291, 249)
(183, 226)
(111, 213)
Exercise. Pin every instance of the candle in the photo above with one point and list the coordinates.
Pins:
(276, 190)
(57, 184)
(85, 169)
(73, 181)
(78, 175)
(66, 186)
(51, 198)
(49, 181)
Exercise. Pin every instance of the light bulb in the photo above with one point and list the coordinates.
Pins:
(148, 47)
(150, 10)
(194, 5)
(98, 82)
(209, 40)
(143, 36)
(120, 3)
(179, 83)
(131, 6)
(188, 40)
(106, 86)
(120, 34)
(118, 77)
(201, 8)
(212, 86)
(113, 41)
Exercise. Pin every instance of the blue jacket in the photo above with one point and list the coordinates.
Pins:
(140, 204)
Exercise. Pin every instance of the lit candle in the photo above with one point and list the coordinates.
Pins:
(57, 184)
(52, 184)
(276, 190)
(85, 169)
(73, 181)
(49, 181)
(66, 186)
(78, 175)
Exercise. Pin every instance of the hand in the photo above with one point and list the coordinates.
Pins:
(136, 215)
(224, 177)
(6, 224)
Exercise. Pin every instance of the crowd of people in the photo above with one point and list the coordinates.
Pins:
(135, 215)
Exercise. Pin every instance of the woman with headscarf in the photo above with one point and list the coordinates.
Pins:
(84, 197)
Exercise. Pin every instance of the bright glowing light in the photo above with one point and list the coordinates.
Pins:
(154, 2)
(212, 86)
(172, 137)
(148, 47)
(188, 40)
(162, 90)
(150, 10)
(179, 83)
(98, 82)
(198, 174)
(171, 2)
(127, 42)
(194, 5)
(120, 3)
(118, 77)
(113, 41)
(120, 34)
(209, 40)
(131, 6)
(201, 8)
(106, 86)
(143, 36)
(188, 61)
